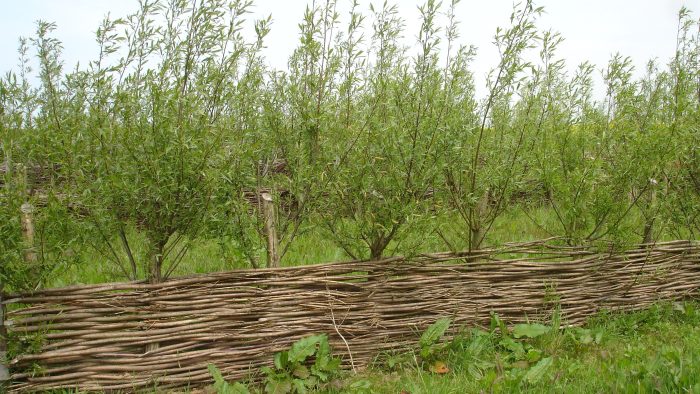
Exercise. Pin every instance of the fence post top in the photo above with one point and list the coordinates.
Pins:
(27, 208)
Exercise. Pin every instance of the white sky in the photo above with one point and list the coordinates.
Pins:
(593, 29)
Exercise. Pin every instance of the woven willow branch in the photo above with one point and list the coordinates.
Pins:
(95, 337)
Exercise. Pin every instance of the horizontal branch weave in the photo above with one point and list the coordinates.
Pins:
(95, 338)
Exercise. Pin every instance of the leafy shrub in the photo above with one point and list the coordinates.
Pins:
(432, 351)
(294, 372)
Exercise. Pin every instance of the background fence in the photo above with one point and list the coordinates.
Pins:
(102, 337)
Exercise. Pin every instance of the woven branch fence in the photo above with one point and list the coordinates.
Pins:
(99, 337)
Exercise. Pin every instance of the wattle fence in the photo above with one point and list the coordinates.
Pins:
(102, 337)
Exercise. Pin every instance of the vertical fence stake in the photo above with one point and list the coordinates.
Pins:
(269, 211)
(28, 232)
(4, 371)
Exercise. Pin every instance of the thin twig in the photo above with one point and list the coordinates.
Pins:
(335, 326)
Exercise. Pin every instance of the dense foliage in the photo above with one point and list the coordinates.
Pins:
(166, 140)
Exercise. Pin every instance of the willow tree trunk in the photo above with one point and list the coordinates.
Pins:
(648, 235)
(478, 228)
(155, 272)
(154, 259)
(376, 251)
(477, 236)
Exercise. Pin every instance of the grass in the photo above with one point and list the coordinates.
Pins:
(310, 247)
(655, 350)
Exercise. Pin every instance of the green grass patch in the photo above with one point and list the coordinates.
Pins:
(654, 350)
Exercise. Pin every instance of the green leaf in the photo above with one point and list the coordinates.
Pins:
(301, 372)
(425, 352)
(323, 355)
(322, 375)
(533, 355)
(538, 370)
(268, 371)
(324, 348)
(299, 386)
(223, 387)
(278, 386)
(516, 348)
(281, 360)
(533, 330)
(497, 323)
(216, 374)
(304, 348)
(333, 365)
(433, 333)
(322, 362)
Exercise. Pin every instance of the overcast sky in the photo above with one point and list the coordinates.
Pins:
(593, 29)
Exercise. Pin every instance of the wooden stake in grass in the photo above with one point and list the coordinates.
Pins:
(4, 372)
(28, 232)
(269, 211)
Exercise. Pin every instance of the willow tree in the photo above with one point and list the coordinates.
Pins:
(682, 114)
(579, 158)
(159, 130)
(393, 110)
(485, 165)
(642, 130)
(294, 138)
(34, 118)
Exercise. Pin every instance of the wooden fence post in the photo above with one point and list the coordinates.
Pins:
(648, 234)
(4, 371)
(270, 214)
(28, 232)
